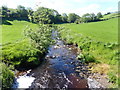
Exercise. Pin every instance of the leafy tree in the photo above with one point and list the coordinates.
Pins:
(22, 11)
(86, 18)
(46, 16)
(93, 16)
(58, 18)
(14, 13)
(30, 14)
(78, 21)
(72, 17)
(64, 17)
(43, 15)
(4, 11)
(99, 15)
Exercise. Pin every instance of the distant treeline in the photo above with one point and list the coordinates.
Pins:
(46, 15)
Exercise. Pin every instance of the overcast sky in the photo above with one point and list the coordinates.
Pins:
(79, 7)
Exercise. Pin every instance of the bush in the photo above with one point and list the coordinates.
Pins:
(86, 57)
(29, 52)
(6, 76)
(40, 38)
(21, 54)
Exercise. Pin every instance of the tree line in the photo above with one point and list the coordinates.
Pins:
(46, 15)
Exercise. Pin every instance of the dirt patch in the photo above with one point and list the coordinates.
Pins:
(99, 73)
(100, 68)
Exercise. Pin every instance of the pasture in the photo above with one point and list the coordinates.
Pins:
(105, 31)
(13, 32)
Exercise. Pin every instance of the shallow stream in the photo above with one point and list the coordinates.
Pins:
(58, 70)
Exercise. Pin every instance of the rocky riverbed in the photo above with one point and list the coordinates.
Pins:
(60, 69)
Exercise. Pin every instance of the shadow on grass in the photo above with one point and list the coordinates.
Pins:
(5, 22)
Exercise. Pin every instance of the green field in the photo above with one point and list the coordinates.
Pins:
(11, 33)
(105, 31)
(112, 15)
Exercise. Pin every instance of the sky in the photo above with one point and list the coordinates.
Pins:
(79, 7)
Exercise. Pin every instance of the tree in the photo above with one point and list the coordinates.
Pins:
(43, 15)
(22, 11)
(13, 13)
(86, 18)
(99, 15)
(64, 17)
(93, 17)
(72, 17)
(4, 11)
(30, 14)
(46, 16)
(57, 17)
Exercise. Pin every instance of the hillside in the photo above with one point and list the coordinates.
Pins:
(105, 31)
(112, 15)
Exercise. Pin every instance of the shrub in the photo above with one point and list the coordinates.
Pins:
(86, 57)
(40, 38)
(21, 54)
(6, 76)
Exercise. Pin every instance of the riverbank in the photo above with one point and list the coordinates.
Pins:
(28, 52)
(102, 56)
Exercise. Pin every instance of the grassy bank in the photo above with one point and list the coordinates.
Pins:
(98, 43)
(28, 51)
(23, 48)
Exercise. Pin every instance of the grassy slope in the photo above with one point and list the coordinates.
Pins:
(11, 33)
(112, 15)
(105, 31)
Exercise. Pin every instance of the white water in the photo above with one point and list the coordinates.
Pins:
(23, 81)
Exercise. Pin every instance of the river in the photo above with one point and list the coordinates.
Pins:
(59, 70)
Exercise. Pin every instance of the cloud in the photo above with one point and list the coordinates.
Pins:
(79, 7)
(93, 8)
(99, 1)
(67, 6)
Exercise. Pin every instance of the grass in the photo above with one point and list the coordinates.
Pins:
(98, 42)
(22, 51)
(105, 31)
(112, 15)
(14, 32)
(30, 49)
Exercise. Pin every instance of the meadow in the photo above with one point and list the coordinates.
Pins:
(15, 31)
(105, 31)
(112, 15)
(98, 42)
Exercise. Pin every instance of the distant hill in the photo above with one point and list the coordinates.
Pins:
(111, 15)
